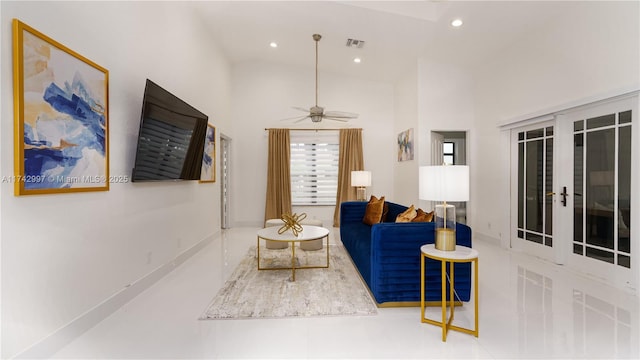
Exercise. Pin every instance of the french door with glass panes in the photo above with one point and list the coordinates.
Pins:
(600, 179)
(571, 190)
(533, 186)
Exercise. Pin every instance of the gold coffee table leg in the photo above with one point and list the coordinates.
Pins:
(258, 249)
(327, 250)
(293, 261)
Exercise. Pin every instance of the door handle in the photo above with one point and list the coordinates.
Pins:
(564, 195)
(551, 193)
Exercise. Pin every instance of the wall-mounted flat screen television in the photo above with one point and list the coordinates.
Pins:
(171, 138)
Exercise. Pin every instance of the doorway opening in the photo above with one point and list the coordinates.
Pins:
(225, 182)
(450, 147)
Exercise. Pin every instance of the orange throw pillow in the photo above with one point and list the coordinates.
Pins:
(373, 213)
(423, 216)
(407, 215)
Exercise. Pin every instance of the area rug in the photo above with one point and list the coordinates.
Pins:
(333, 291)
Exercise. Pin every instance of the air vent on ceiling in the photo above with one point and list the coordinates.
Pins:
(355, 43)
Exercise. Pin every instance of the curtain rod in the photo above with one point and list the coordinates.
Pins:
(305, 129)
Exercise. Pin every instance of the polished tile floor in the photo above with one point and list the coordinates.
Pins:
(528, 309)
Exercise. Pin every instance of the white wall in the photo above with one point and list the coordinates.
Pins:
(406, 117)
(64, 254)
(264, 93)
(446, 103)
(596, 52)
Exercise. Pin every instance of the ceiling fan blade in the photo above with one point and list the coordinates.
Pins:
(300, 108)
(341, 114)
(335, 118)
(297, 118)
(297, 121)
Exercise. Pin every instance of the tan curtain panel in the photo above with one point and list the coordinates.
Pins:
(278, 175)
(351, 158)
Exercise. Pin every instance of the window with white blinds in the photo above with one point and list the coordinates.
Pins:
(314, 167)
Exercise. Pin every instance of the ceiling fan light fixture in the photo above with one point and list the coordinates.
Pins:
(273, 44)
(357, 60)
(316, 110)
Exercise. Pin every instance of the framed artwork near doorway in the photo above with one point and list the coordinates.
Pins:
(208, 172)
(405, 145)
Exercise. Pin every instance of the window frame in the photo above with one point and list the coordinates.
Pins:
(452, 153)
(322, 173)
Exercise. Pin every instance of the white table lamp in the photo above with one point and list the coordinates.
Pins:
(444, 183)
(361, 179)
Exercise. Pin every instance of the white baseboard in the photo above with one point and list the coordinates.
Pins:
(51, 344)
(248, 224)
(486, 238)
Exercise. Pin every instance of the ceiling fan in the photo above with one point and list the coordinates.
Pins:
(317, 113)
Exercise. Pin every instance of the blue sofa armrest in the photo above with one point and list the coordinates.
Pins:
(356, 236)
(352, 211)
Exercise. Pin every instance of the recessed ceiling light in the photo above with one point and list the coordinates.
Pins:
(357, 60)
(273, 44)
(456, 23)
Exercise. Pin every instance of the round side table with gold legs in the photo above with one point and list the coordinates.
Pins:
(461, 254)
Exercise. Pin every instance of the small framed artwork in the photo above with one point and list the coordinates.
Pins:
(208, 172)
(61, 117)
(405, 145)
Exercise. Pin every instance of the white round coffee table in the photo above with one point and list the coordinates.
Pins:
(308, 233)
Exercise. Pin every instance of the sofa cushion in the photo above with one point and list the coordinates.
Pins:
(373, 213)
(393, 211)
(407, 215)
(385, 212)
(422, 216)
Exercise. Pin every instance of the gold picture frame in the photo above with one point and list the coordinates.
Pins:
(208, 171)
(61, 118)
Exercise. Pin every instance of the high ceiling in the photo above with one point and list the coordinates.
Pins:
(396, 33)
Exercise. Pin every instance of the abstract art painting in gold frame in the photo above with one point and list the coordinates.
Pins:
(60, 117)
(208, 172)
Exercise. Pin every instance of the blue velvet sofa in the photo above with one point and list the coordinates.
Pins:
(387, 255)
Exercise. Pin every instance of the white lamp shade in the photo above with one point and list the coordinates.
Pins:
(361, 178)
(444, 183)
